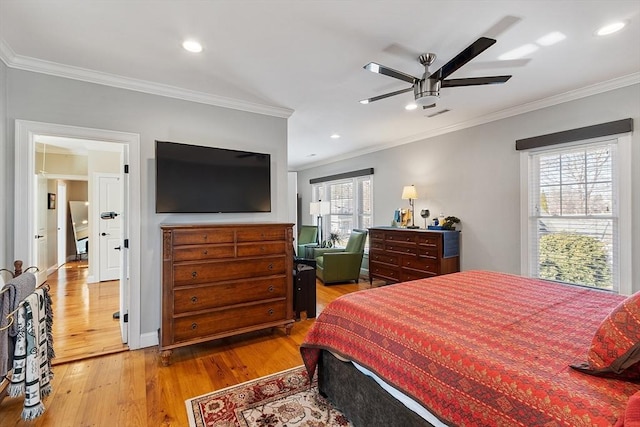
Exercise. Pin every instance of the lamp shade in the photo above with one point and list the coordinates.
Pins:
(325, 208)
(409, 192)
(314, 208)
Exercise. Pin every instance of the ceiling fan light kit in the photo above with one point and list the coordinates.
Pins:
(426, 90)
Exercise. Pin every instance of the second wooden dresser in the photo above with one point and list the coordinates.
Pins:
(402, 254)
(220, 280)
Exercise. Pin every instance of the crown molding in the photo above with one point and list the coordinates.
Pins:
(9, 57)
(573, 95)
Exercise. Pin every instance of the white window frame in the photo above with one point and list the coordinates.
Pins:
(624, 237)
(356, 214)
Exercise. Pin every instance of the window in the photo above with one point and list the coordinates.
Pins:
(577, 214)
(351, 205)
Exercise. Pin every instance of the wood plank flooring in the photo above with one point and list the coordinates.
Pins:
(132, 388)
(83, 314)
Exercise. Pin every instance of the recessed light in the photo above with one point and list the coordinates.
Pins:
(519, 52)
(551, 38)
(335, 136)
(610, 29)
(411, 106)
(192, 46)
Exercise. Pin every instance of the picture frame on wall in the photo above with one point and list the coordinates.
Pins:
(51, 201)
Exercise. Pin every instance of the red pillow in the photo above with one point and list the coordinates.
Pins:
(615, 348)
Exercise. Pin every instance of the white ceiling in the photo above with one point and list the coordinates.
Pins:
(306, 58)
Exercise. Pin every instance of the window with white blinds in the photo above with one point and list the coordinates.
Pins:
(573, 214)
(351, 204)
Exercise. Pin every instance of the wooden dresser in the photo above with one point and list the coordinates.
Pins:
(220, 280)
(401, 254)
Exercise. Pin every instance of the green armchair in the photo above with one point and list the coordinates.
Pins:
(341, 265)
(308, 235)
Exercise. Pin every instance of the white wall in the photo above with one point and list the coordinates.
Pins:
(474, 174)
(44, 98)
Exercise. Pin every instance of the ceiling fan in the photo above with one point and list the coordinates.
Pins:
(426, 90)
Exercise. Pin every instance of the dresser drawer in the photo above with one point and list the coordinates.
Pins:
(260, 234)
(201, 236)
(428, 252)
(384, 272)
(376, 244)
(375, 256)
(401, 237)
(217, 271)
(376, 234)
(220, 321)
(197, 252)
(228, 293)
(424, 264)
(429, 239)
(263, 248)
(401, 248)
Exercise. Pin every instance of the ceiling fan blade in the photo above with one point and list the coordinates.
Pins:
(475, 49)
(475, 81)
(424, 107)
(386, 95)
(381, 69)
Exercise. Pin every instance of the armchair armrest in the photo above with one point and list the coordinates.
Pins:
(321, 251)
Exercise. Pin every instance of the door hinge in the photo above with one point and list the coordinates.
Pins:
(126, 243)
(126, 318)
(126, 168)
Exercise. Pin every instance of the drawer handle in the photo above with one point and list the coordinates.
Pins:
(205, 252)
(194, 325)
(262, 249)
(194, 299)
(194, 274)
(270, 288)
(270, 267)
(205, 237)
(271, 312)
(408, 250)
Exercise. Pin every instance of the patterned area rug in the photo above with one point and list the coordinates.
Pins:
(285, 399)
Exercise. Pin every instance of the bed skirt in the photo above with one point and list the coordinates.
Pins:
(360, 398)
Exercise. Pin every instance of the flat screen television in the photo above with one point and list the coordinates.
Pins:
(196, 179)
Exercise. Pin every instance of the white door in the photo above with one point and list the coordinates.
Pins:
(62, 222)
(109, 230)
(40, 233)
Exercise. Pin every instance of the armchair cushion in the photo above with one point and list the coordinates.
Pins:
(341, 265)
(307, 236)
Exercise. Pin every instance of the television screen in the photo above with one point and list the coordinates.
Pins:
(196, 179)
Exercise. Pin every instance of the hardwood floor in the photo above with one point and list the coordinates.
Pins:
(83, 314)
(132, 388)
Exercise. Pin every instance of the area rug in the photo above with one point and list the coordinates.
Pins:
(285, 399)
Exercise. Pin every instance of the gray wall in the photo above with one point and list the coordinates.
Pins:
(474, 174)
(44, 98)
(4, 173)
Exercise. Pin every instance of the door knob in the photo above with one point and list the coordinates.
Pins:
(104, 234)
(39, 236)
(117, 248)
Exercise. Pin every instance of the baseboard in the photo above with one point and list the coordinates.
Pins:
(149, 339)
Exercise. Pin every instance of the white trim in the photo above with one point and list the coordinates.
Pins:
(26, 63)
(149, 339)
(525, 244)
(25, 132)
(624, 200)
(625, 212)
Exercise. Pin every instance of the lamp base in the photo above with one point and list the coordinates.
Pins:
(413, 226)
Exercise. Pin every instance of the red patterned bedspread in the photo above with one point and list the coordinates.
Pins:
(479, 348)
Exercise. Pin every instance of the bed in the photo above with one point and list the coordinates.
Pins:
(471, 349)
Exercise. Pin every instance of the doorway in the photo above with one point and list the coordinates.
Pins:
(25, 190)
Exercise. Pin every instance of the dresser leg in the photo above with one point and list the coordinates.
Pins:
(287, 328)
(165, 357)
